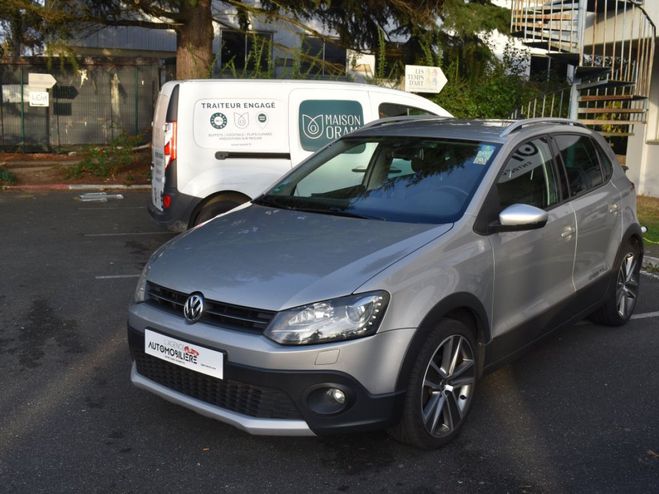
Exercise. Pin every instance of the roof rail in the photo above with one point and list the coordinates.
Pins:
(539, 121)
(402, 118)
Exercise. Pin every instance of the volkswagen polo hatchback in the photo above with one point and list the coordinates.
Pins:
(374, 284)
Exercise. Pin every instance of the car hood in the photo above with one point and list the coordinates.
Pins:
(276, 259)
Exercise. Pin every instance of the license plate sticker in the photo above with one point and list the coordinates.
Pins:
(184, 354)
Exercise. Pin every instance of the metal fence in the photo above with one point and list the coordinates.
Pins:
(91, 104)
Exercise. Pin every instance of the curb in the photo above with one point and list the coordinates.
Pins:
(47, 187)
(652, 262)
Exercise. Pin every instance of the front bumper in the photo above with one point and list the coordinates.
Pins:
(264, 401)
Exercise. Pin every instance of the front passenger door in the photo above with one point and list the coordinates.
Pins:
(533, 269)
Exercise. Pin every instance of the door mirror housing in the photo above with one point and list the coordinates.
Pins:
(520, 217)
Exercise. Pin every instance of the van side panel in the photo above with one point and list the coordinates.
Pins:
(222, 120)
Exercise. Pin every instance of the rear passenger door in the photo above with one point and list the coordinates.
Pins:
(596, 204)
(533, 269)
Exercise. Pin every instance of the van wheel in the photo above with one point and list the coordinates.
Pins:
(620, 303)
(440, 388)
(218, 204)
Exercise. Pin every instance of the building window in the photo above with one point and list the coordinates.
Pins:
(322, 56)
(246, 51)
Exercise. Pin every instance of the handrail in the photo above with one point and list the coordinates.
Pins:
(538, 121)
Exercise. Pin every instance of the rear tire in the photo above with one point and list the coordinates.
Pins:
(440, 388)
(218, 204)
(620, 303)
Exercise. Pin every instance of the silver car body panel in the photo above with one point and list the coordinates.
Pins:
(284, 261)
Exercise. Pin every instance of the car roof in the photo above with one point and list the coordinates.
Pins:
(497, 131)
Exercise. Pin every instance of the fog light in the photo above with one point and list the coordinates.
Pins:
(327, 400)
(337, 395)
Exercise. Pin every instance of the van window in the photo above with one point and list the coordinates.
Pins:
(322, 121)
(581, 162)
(397, 110)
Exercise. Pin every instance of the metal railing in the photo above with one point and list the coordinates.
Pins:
(610, 42)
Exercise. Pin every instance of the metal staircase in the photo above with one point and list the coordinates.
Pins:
(609, 48)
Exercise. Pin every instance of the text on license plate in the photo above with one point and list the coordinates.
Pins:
(188, 355)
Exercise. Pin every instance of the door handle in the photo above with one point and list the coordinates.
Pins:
(567, 232)
(613, 208)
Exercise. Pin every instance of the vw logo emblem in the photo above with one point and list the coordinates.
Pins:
(193, 307)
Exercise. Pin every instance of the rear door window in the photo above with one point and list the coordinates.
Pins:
(581, 162)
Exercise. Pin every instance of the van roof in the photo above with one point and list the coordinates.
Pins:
(289, 82)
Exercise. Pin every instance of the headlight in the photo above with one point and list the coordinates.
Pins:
(342, 318)
(140, 289)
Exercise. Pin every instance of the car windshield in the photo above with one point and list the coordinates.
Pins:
(406, 179)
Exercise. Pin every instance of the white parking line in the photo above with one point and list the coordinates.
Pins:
(127, 234)
(646, 315)
(116, 276)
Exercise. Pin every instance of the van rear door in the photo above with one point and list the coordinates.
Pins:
(163, 141)
(321, 115)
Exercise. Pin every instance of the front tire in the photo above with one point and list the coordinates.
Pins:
(621, 302)
(440, 388)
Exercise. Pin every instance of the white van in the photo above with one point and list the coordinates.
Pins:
(220, 143)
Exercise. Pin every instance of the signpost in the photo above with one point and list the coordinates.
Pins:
(39, 84)
(423, 79)
(40, 81)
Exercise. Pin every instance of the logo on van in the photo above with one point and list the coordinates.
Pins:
(219, 120)
(322, 121)
(312, 127)
(241, 120)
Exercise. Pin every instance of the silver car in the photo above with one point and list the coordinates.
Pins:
(375, 283)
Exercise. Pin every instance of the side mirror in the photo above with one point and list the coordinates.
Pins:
(520, 217)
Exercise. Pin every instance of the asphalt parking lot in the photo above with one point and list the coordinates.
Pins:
(578, 413)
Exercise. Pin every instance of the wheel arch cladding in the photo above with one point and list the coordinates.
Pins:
(464, 307)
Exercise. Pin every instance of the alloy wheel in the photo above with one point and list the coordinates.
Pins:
(448, 386)
(627, 285)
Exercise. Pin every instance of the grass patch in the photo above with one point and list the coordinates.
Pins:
(106, 161)
(648, 215)
(6, 177)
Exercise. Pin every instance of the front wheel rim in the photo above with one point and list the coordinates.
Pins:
(448, 385)
(627, 285)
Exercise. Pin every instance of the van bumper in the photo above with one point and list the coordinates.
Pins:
(176, 218)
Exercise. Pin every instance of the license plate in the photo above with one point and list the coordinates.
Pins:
(184, 354)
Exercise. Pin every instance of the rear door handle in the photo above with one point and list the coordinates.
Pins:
(613, 208)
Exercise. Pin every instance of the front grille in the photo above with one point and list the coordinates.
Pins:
(235, 396)
(216, 313)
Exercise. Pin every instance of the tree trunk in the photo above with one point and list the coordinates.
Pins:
(194, 41)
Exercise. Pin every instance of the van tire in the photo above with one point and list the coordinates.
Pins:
(218, 204)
